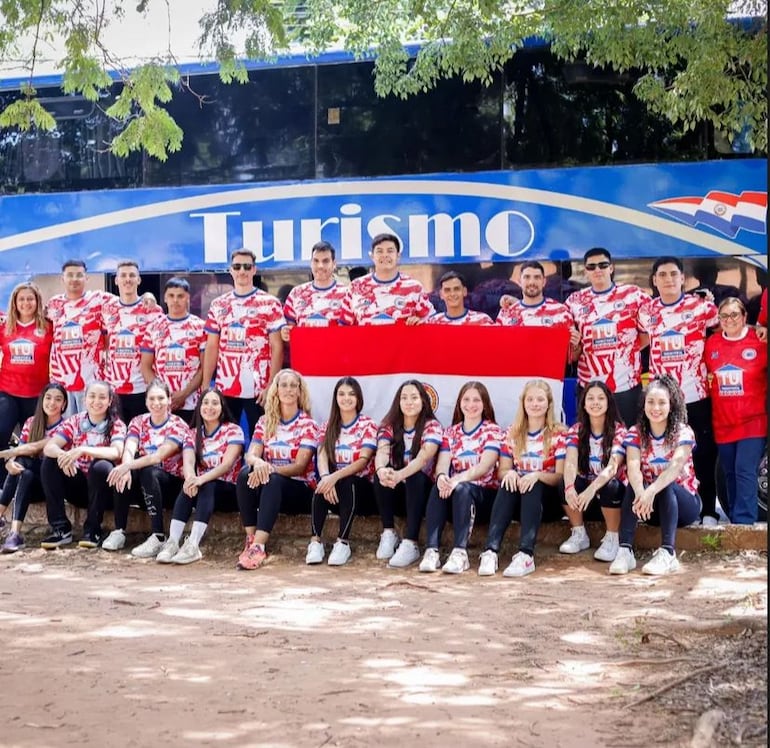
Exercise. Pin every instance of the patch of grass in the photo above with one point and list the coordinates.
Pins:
(712, 541)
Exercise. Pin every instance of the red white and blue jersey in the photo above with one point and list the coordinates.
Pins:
(80, 431)
(534, 458)
(432, 433)
(244, 324)
(215, 447)
(281, 449)
(76, 350)
(310, 306)
(677, 338)
(149, 437)
(26, 429)
(596, 451)
(609, 334)
(738, 386)
(376, 302)
(25, 359)
(467, 447)
(177, 345)
(359, 434)
(468, 317)
(548, 313)
(657, 456)
(125, 326)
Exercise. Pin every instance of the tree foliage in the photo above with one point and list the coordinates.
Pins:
(694, 63)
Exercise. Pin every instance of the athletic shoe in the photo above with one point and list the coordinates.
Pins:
(188, 553)
(387, 547)
(56, 539)
(315, 552)
(90, 541)
(340, 553)
(252, 558)
(457, 562)
(167, 551)
(521, 565)
(608, 548)
(14, 542)
(149, 549)
(709, 521)
(407, 554)
(114, 541)
(624, 561)
(430, 560)
(487, 563)
(576, 542)
(245, 551)
(662, 562)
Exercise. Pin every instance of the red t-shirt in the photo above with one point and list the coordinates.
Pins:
(25, 359)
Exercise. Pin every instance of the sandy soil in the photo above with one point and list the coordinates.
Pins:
(104, 649)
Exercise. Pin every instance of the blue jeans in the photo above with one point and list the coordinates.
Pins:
(740, 464)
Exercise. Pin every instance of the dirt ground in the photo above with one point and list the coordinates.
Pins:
(104, 649)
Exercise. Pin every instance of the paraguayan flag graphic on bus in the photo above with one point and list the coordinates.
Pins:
(724, 212)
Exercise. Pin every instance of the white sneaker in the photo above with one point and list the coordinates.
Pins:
(114, 541)
(168, 550)
(608, 548)
(521, 565)
(340, 553)
(662, 562)
(487, 563)
(709, 521)
(388, 542)
(188, 553)
(315, 552)
(576, 542)
(149, 549)
(457, 562)
(430, 560)
(407, 553)
(623, 562)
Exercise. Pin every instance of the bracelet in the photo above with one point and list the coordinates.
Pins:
(567, 488)
(323, 475)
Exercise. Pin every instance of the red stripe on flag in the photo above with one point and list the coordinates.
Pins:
(430, 349)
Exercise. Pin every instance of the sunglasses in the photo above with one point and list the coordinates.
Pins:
(242, 265)
(601, 265)
(731, 315)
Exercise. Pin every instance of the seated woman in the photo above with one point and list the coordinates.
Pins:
(77, 460)
(662, 487)
(466, 476)
(530, 473)
(279, 464)
(407, 445)
(212, 456)
(347, 443)
(150, 470)
(23, 461)
(594, 467)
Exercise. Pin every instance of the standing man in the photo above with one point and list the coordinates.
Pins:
(173, 349)
(453, 291)
(244, 343)
(676, 324)
(386, 296)
(606, 315)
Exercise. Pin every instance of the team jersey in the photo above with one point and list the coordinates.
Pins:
(548, 313)
(376, 302)
(656, 458)
(150, 437)
(125, 326)
(609, 335)
(244, 323)
(432, 433)
(301, 432)
(361, 433)
(677, 337)
(738, 388)
(468, 317)
(466, 449)
(77, 345)
(25, 355)
(214, 448)
(27, 428)
(177, 345)
(310, 306)
(80, 431)
(534, 459)
(595, 451)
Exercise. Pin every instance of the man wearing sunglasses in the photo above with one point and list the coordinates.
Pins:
(677, 324)
(606, 315)
(244, 343)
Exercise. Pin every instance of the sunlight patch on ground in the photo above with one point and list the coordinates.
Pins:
(137, 629)
(197, 613)
(727, 589)
(585, 637)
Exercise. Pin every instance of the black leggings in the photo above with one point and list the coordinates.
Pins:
(412, 494)
(23, 487)
(349, 493)
(151, 486)
(209, 495)
(704, 458)
(14, 411)
(610, 496)
(259, 507)
(465, 502)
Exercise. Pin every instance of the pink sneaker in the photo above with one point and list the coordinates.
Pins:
(245, 551)
(252, 558)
